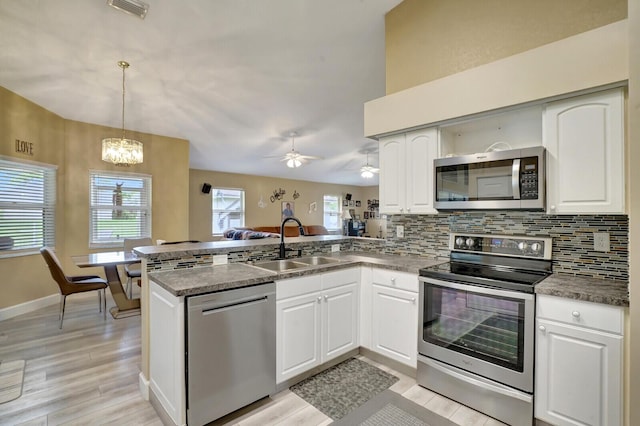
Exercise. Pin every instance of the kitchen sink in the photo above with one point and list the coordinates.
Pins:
(295, 263)
(281, 265)
(317, 260)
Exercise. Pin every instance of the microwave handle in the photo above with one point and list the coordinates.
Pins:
(515, 178)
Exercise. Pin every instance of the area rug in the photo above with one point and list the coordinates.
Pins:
(390, 408)
(11, 378)
(343, 387)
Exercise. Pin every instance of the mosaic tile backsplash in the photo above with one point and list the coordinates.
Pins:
(428, 235)
(573, 253)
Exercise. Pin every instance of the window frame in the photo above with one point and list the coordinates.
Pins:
(47, 206)
(338, 214)
(145, 207)
(214, 210)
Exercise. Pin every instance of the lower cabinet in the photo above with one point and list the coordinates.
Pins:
(394, 315)
(578, 362)
(316, 320)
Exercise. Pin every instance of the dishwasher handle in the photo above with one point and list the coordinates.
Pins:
(232, 304)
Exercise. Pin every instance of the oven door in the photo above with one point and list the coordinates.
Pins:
(485, 331)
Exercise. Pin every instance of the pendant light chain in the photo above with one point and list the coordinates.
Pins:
(124, 65)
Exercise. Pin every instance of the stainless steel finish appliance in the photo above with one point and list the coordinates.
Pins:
(477, 313)
(231, 350)
(513, 179)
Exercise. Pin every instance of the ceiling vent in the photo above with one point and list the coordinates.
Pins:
(133, 7)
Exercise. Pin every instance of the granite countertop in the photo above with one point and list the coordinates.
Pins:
(598, 290)
(193, 281)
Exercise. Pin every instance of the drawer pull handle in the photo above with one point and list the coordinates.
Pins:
(542, 328)
(575, 314)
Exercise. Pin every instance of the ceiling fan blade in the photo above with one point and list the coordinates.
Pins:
(311, 157)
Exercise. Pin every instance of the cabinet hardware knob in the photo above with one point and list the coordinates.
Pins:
(413, 300)
(542, 328)
(408, 209)
(393, 281)
(575, 314)
(319, 299)
(553, 208)
(326, 298)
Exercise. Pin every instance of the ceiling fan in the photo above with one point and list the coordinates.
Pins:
(293, 158)
(368, 170)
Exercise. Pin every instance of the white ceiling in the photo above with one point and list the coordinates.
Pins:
(234, 77)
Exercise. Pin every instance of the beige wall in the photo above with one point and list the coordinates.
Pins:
(429, 39)
(76, 148)
(260, 186)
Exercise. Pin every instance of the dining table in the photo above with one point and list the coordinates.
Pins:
(125, 307)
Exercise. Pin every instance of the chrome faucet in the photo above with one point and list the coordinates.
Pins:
(283, 250)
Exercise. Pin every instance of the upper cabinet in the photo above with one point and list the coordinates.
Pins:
(584, 137)
(406, 172)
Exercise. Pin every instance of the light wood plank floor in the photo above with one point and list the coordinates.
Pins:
(87, 373)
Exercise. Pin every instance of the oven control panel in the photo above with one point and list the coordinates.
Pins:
(506, 245)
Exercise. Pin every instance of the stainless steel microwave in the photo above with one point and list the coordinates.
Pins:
(513, 179)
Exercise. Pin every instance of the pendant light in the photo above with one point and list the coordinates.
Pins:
(368, 170)
(122, 151)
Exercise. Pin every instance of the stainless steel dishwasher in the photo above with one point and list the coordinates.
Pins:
(231, 350)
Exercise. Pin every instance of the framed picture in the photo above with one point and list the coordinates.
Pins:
(288, 209)
(358, 203)
(351, 203)
(366, 215)
(345, 203)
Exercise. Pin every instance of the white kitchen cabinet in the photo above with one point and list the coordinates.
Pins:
(316, 320)
(406, 172)
(578, 362)
(166, 351)
(394, 315)
(584, 138)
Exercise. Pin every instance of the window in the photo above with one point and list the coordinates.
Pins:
(228, 209)
(332, 212)
(27, 207)
(120, 208)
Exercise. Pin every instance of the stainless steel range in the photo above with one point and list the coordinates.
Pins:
(476, 342)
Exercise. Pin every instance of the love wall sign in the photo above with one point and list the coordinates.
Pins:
(24, 147)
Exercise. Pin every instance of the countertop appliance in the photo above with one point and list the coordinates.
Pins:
(476, 329)
(231, 350)
(511, 179)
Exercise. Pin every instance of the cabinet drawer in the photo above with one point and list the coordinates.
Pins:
(395, 279)
(298, 286)
(577, 312)
(340, 278)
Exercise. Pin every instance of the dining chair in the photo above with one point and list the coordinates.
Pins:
(134, 270)
(74, 284)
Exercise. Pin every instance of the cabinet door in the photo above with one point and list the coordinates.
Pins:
(392, 174)
(395, 324)
(339, 321)
(578, 375)
(584, 137)
(297, 336)
(420, 151)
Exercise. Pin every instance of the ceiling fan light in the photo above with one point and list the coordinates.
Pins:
(366, 173)
(293, 163)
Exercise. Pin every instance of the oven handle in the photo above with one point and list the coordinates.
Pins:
(504, 390)
(479, 289)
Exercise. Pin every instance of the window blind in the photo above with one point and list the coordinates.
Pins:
(27, 207)
(228, 209)
(332, 212)
(120, 208)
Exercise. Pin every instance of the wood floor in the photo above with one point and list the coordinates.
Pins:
(87, 373)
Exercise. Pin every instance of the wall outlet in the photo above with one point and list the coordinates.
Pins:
(220, 259)
(400, 231)
(601, 241)
(335, 248)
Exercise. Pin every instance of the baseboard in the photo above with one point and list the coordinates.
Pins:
(391, 363)
(143, 385)
(27, 307)
(162, 413)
